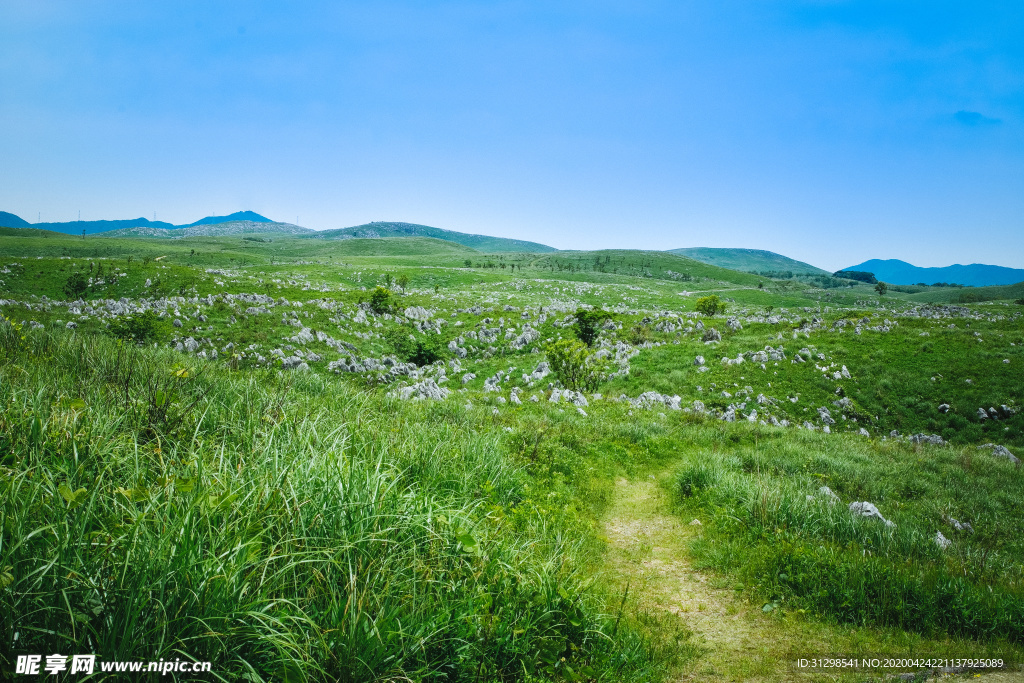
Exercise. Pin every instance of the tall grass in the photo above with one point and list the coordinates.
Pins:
(281, 530)
(791, 543)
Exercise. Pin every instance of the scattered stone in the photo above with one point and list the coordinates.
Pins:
(933, 439)
(427, 389)
(829, 495)
(1001, 452)
(865, 509)
(711, 335)
(944, 408)
(942, 541)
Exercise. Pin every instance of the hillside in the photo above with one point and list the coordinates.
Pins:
(749, 260)
(484, 243)
(399, 246)
(29, 232)
(9, 220)
(898, 272)
(645, 264)
(383, 474)
(238, 227)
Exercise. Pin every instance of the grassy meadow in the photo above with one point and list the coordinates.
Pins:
(359, 460)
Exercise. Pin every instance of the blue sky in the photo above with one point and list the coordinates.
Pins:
(828, 131)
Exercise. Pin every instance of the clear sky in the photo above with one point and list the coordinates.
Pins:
(828, 131)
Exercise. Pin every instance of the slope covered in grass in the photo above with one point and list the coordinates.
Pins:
(316, 476)
(642, 264)
(280, 527)
(749, 260)
(484, 243)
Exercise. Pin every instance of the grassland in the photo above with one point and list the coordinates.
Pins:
(245, 483)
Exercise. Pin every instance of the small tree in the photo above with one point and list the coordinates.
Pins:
(710, 305)
(380, 300)
(574, 365)
(76, 285)
(403, 281)
(881, 288)
(588, 324)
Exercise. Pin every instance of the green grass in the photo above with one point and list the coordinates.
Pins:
(306, 524)
(153, 509)
(748, 260)
(809, 553)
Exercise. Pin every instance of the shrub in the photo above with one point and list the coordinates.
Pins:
(76, 285)
(710, 305)
(588, 324)
(139, 328)
(380, 300)
(574, 365)
(639, 334)
(421, 351)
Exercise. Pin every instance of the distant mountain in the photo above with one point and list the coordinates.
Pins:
(749, 260)
(236, 216)
(482, 243)
(898, 272)
(94, 227)
(9, 220)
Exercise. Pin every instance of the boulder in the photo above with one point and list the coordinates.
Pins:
(427, 389)
(866, 509)
(1001, 452)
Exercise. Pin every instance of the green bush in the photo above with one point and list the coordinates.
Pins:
(139, 328)
(574, 365)
(380, 300)
(588, 324)
(710, 305)
(419, 350)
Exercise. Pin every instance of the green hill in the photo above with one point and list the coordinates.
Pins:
(749, 260)
(399, 246)
(631, 262)
(29, 232)
(484, 243)
(969, 295)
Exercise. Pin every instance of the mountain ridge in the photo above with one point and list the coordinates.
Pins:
(897, 272)
(11, 220)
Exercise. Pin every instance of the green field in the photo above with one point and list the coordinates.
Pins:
(343, 460)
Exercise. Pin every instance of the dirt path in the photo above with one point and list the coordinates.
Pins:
(648, 548)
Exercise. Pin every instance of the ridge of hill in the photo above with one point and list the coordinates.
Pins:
(484, 243)
(211, 230)
(898, 272)
(95, 227)
(749, 260)
(9, 220)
